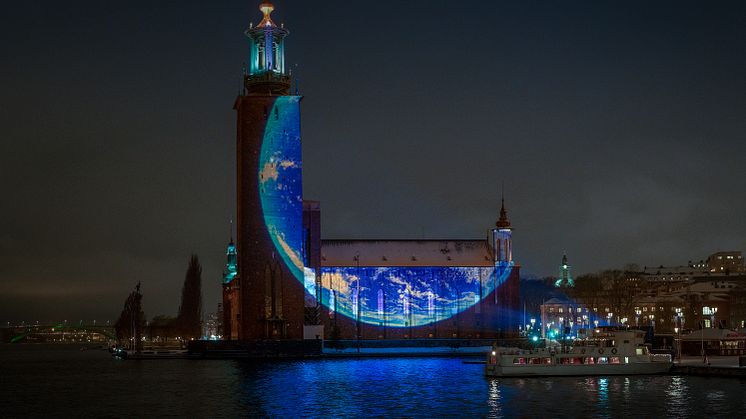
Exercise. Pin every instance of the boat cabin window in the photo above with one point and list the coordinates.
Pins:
(588, 360)
(602, 360)
(519, 361)
(641, 351)
(626, 360)
(626, 341)
(614, 360)
(534, 360)
(546, 360)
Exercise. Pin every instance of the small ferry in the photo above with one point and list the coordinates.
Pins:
(603, 352)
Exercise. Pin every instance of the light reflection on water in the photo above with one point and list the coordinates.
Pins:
(35, 383)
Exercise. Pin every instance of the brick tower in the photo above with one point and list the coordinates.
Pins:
(269, 192)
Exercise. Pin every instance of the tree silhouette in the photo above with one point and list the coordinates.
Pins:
(190, 310)
(129, 327)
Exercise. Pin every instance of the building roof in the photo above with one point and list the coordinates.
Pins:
(406, 253)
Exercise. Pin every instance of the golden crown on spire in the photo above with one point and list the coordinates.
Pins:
(267, 9)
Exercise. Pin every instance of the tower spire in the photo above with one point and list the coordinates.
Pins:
(503, 221)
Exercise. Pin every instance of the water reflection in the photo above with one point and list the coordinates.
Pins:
(495, 400)
(421, 387)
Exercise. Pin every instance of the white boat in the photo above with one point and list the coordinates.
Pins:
(603, 352)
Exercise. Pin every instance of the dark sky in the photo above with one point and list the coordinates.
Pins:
(618, 129)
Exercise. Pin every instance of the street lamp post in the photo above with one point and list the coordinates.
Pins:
(712, 316)
(678, 329)
(637, 317)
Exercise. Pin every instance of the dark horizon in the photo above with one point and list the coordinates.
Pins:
(616, 128)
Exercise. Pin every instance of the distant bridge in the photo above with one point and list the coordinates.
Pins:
(59, 332)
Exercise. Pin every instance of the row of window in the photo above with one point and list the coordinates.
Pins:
(588, 360)
(606, 309)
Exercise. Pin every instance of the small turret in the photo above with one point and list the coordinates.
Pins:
(502, 237)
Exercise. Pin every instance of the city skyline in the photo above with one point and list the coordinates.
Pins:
(120, 156)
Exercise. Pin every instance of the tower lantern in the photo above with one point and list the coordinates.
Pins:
(266, 72)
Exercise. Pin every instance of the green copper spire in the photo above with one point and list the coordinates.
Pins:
(231, 266)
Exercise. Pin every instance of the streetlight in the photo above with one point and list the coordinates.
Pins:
(713, 310)
(678, 329)
(637, 317)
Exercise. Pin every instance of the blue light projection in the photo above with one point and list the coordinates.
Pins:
(407, 296)
(280, 186)
(390, 296)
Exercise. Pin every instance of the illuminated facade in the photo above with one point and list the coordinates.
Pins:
(394, 289)
(285, 277)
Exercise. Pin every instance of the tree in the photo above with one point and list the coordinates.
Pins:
(129, 327)
(190, 310)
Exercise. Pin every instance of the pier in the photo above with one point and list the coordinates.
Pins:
(717, 366)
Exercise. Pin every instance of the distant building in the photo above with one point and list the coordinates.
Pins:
(718, 265)
(726, 262)
(564, 317)
(565, 277)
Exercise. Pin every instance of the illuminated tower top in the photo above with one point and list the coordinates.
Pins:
(266, 71)
(565, 278)
(231, 266)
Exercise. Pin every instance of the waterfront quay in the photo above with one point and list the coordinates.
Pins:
(716, 366)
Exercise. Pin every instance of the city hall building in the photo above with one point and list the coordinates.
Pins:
(282, 281)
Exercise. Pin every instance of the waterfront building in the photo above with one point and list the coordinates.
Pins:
(384, 289)
(563, 317)
(286, 283)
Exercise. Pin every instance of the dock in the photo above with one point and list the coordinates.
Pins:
(716, 366)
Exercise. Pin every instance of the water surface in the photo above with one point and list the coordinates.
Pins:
(64, 381)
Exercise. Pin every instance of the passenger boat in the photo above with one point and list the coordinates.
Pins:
(603, 352)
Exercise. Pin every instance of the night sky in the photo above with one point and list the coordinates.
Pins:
(617, 128)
